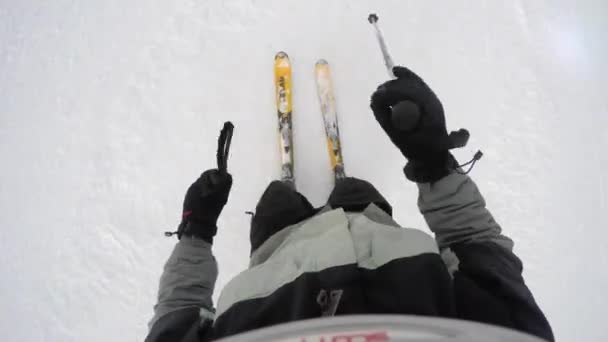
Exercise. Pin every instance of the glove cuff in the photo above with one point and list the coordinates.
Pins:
(430, 171)
(202, 231)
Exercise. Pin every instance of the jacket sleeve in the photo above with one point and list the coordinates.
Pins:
(184, 296)
(488, 281)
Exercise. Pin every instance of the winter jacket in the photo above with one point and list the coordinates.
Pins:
(339, 263)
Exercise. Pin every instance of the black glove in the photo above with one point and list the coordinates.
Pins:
(203, 204)
(427, 144)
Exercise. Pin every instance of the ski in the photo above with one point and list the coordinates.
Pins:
(282, 81)
(327, 101)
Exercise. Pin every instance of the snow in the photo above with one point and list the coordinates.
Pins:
(109, 109)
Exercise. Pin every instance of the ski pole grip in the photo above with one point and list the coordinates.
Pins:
(223, 146)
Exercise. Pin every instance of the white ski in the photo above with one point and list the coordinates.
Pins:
(327, 101)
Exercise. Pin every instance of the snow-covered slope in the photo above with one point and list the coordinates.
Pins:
(109, 109)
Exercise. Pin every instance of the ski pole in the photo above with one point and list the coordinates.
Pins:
(388, 61)
(405, 114)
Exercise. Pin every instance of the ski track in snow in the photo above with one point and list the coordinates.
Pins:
(109, 110)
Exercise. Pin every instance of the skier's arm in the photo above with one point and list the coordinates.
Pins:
(184, 304)
(185, 290)
(488, 283)
(456, 212)
(479, 255)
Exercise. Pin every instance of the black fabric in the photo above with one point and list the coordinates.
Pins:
(428, 143)
(203, 203)
(354, 195)
(180, 325)
(489, 288)
(418, 285)
(280, 206)
(430, 170)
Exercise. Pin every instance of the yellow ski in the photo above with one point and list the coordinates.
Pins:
(282, 81)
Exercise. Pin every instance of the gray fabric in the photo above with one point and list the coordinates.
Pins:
(332, 238)
(372, 212)
(377, 244)
(271, 244)
(456, 212)
(376, 214)
(450, 259)
(188, 279)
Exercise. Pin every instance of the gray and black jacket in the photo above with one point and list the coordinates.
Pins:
(340, 263)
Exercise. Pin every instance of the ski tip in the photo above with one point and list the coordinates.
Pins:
(372, 18)
(322, 62)
(281, 54)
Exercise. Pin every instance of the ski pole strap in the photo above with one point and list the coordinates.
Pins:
(223, 146)
(471, 162)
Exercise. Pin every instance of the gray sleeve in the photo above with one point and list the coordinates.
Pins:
(188, 280)
(479, 257)
(456, 212)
